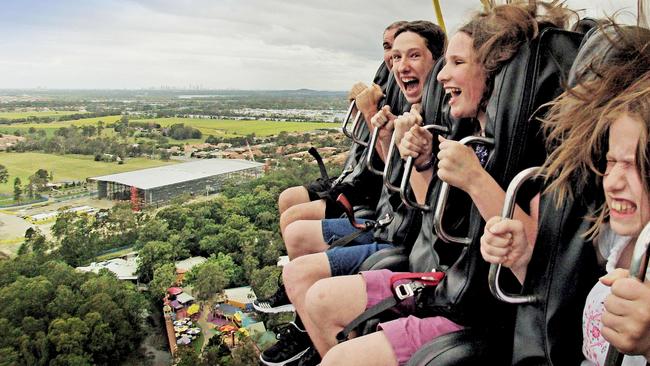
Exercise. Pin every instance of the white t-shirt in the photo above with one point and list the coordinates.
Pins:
(594, 346)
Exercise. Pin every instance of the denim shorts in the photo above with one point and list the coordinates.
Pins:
(347, 260)
(334, 229)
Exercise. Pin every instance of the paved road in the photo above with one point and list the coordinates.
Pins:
(12, 226)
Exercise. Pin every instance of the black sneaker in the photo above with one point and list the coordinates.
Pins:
(310, 358)
(292, 344)
(277, 303)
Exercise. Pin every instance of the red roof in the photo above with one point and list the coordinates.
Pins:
(174, 290)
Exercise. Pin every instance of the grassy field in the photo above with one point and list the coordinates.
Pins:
(65, 167)
(52, 126)
(241, 128)
(224, 128)
(18, 115)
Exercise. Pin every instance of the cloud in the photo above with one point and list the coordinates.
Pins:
(253, 44)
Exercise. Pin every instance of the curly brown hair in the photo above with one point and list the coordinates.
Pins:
(499, 32)
(577, 124)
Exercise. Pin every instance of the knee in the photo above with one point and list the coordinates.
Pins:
(295, 240)
(335, 356)
(319, 301)
(291, 197)
(292, 276)
(284, 200)
(290, 216)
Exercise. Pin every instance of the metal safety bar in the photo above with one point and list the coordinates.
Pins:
(356, 126)
(406, 177)
(346, 120)
(372, 149)
(507, 213)
(444, 195)
(638, 269)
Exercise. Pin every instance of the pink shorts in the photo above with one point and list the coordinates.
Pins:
(406, 334)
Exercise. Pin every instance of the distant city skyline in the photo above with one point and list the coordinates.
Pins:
(212, 44)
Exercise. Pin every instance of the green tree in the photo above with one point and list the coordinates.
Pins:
(187, 357)
(154, 254)
(18, 190)
(4, 174)
(245, 354)
(163, 278)
(68, 335)
(212, 276)
(78, 241)
(264, 281)
(38, 181)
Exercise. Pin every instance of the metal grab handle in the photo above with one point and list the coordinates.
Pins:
(507, 213)
(372, 150)
(346, 121)
(349, 212)
(388, 165)
(357, 125)
(638, 269)
(444, 195)
(406, 178)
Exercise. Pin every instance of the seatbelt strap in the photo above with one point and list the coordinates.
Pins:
(369, 225)
(401, 292)
(341, 242)
(321, 166)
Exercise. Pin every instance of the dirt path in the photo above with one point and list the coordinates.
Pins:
(205, 324)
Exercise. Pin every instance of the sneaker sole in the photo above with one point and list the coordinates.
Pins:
(279, 309)
(282, 363)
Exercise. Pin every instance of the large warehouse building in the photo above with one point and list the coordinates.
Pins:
(155, 186)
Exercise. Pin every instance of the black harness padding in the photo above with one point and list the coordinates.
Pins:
(360, 186)
(406, 222)
(563, 267)
(410, 220)
(533, 77)
(562, 270)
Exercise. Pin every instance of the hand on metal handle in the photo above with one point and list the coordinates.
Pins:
(349, 212)
(638, 269)
(406, 178)
(444, 195)
(507, 213)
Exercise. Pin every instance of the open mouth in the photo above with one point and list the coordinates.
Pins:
(622, 207)
(455, 92)
(410, 85)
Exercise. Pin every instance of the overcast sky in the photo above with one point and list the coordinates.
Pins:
(213, 44)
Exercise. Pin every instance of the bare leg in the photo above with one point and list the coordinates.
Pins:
(314, 210)
(331, 304)
(291, 197)
(298, 276)
(373, 349)
(304, 237)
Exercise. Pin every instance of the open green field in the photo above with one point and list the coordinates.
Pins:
(219, 128)
(224, 128)
(229, 128)
(53, 126)
(18, 115)
(65, 167)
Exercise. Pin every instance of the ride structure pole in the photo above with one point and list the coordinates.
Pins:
(441, 20)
